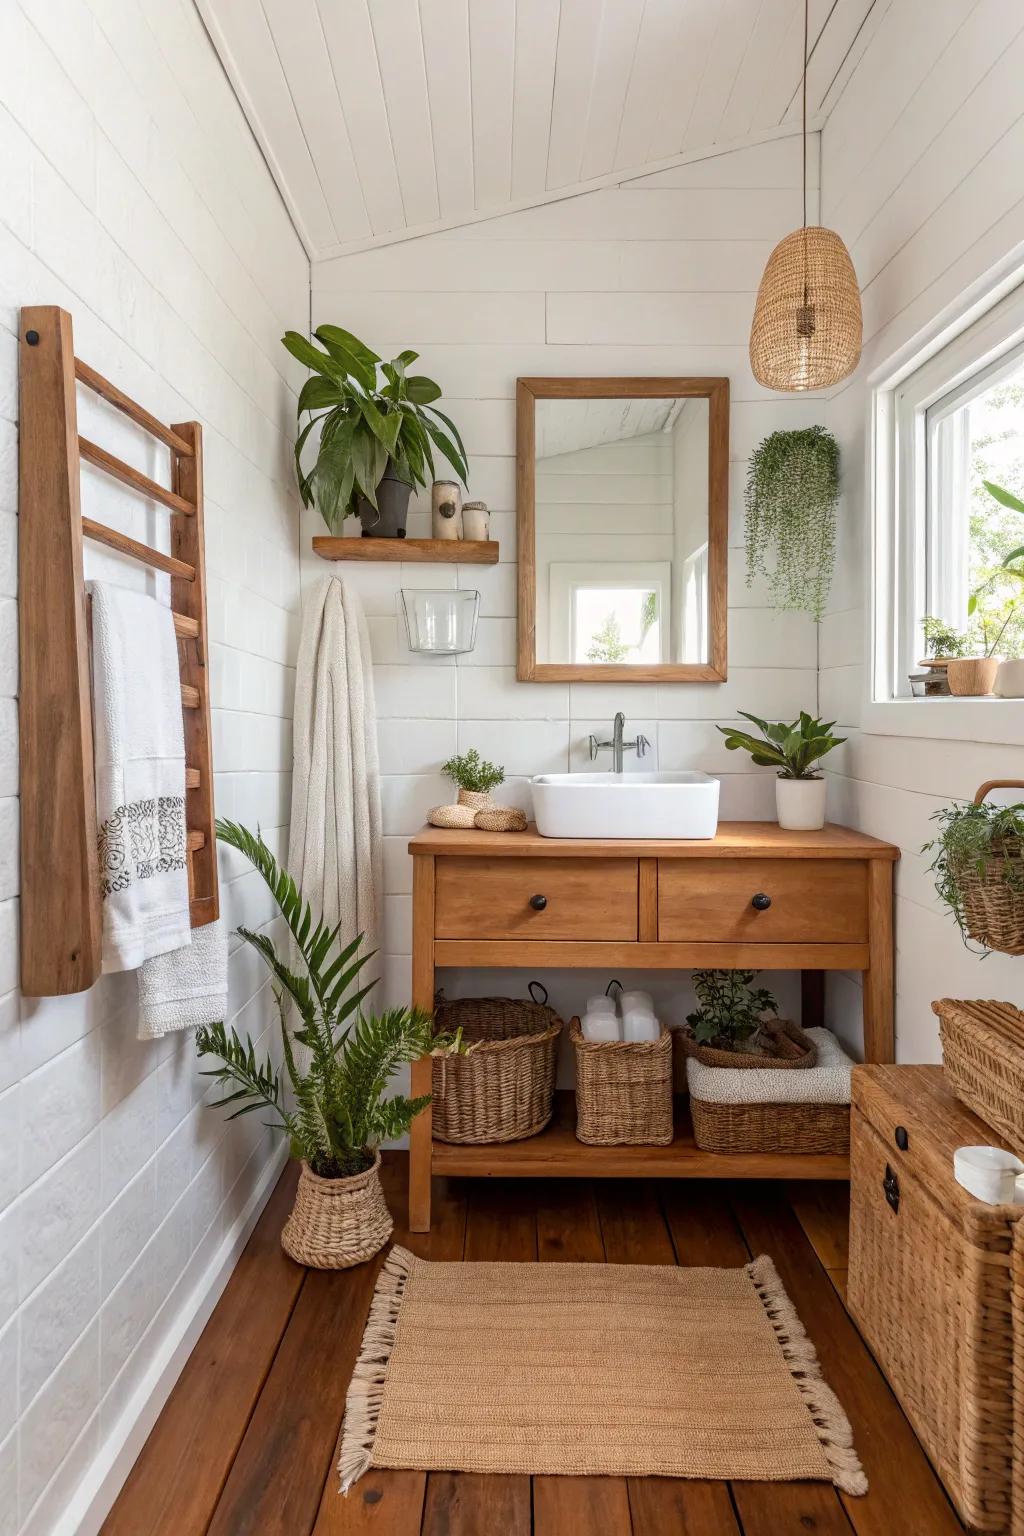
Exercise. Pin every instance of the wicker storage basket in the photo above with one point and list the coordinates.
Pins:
(983, 1054)
(623, 1090)
(336, 1223)
(793, 1049)
(930, 1287)
(770, 1127)
(504, 1089)
(993, 908)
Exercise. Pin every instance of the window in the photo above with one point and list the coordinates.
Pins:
(621, 619)
(951, 548)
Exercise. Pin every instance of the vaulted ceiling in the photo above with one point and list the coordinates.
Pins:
(384, 118)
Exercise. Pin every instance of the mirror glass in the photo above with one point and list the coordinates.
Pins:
(622, 531)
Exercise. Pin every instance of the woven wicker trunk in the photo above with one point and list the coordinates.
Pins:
(931, 1287)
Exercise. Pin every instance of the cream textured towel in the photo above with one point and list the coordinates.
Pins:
(140, 777)
(827, 1082)
(335, 842)
(186, 987)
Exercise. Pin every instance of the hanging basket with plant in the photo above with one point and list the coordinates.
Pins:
(378, 426)
(791, 497)
(978, 864)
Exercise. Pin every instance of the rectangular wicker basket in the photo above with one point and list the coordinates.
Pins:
(983, 1054)
(770, 1127)
(623, 1090)
(931, 1287)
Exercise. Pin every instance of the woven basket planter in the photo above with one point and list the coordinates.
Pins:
(504, 1089)
(623, 1090)
(797, 1128)
(983, 1057)
(336, 1223)
(792, 1049)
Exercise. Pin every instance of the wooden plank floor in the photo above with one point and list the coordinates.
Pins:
(246, 1442)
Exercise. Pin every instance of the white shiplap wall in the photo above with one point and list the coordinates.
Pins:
(657, 277)
(134, 196)
(921, 176)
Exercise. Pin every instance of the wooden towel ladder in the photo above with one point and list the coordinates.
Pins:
(60, 886)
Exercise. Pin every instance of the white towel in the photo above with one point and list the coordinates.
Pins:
(185, 987)
(827, 1082)
(140, 777)
(335, 841)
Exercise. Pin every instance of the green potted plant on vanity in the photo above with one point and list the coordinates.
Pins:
(474, 778)
(332, 1101)
(377, 428)
(795, 750)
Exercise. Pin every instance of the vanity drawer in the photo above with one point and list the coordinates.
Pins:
(763, 900)
(517, 898)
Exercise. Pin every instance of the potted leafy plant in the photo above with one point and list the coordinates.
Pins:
(377, 431)
(334, 1105)
(796, 750)
(737, 1025)
(1010, 676)
(474, 778)
(791, 497)
(978, 864)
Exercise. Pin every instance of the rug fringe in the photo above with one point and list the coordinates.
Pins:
(366, 1390)
(825, 1409)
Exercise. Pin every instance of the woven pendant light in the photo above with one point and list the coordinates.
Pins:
(806, 332)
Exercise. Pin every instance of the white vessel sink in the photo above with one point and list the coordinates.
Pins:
(625, 805)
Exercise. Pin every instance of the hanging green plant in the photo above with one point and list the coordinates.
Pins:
(792, 491)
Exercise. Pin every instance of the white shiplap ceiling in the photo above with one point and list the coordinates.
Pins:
(386, 118)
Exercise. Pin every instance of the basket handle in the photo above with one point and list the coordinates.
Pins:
(542, 1003)
(991, 784)
(612, 983)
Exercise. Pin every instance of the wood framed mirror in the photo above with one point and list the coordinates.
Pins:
(622, 522)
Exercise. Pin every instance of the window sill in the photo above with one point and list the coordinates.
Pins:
(999, 721)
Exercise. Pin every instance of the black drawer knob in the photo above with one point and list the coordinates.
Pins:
(760, 902)
(538, 903)
(902, 1138)
(891, 1185)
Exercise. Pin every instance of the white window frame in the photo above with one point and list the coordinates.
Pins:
(568, 577)
(898, 572)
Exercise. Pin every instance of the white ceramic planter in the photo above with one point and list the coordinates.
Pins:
(800, 804)
(1010, 679)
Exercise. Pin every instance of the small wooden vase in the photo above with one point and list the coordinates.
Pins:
(972, 677)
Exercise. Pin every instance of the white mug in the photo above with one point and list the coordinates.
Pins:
(990, 1174)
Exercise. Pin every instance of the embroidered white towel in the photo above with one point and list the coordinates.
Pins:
(185, 987)
(140, 777)
(827, 1082)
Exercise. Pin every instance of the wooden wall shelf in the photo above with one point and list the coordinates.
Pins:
(409, 551)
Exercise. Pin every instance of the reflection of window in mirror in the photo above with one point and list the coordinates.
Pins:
(622, 531)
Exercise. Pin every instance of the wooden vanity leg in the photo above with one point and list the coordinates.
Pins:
(420, 1136)
(879, 980)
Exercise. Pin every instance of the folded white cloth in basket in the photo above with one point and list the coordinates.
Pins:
(827, 1082)
(140, 777)
(186, 987)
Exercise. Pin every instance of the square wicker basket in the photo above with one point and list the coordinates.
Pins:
(983, 1054)
(623, 1090)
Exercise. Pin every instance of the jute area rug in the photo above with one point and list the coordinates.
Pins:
(618, 1369)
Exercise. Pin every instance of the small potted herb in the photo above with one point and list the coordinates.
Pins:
(474, 778)
(737, 1025)
(978, 864)
(796, 750)
(376, 432)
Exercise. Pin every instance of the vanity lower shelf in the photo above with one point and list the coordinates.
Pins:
(555, 1153)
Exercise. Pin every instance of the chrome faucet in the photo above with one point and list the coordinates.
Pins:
(617, 745)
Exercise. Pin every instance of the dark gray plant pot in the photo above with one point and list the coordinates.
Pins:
(393, 503)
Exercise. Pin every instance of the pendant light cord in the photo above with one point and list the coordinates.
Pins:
(807, 5)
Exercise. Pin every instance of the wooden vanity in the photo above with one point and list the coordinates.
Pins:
(754, 896)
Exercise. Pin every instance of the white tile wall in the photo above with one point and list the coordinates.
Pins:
(658, 279)
(134, 196)
(915, 178)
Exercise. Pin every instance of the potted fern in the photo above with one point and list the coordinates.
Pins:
(796, 750)
(377, 431)
(332, 1101)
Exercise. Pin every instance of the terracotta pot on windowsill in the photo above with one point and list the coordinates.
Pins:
(972, 677)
